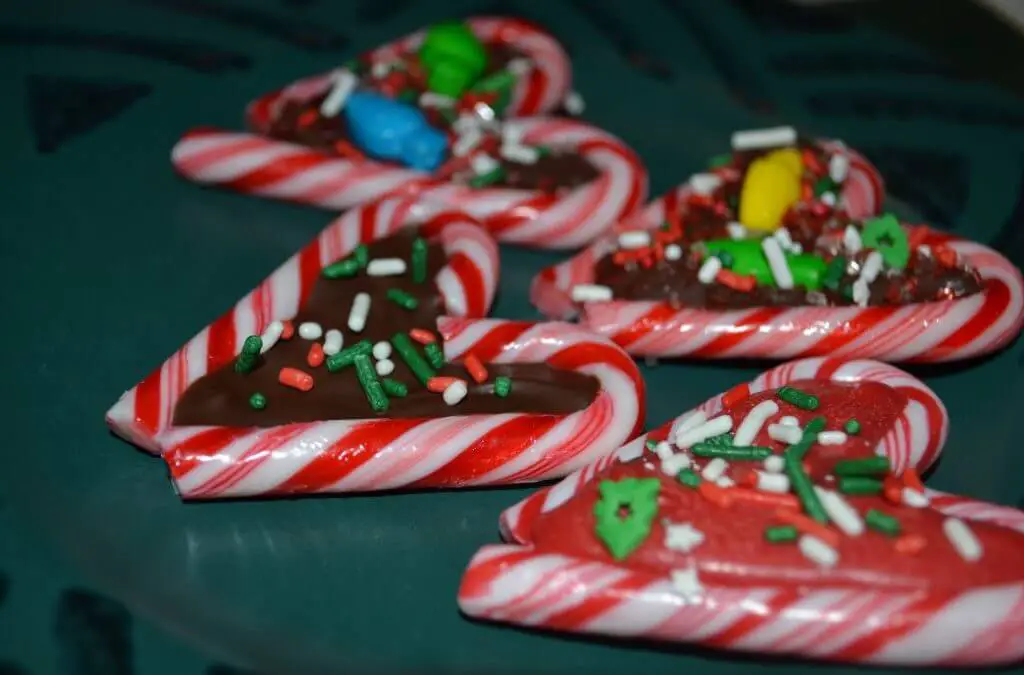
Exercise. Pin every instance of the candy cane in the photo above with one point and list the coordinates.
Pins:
(978, 626)
(267, 168)
(934, 331)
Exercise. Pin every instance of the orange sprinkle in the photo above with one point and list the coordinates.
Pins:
(912, 480)
(439, 384)
(289, 330)
(715, 494)
(808, 526)
(475, 369)
(910, 544)
(423, 336)
(295, 378)
(916, 236)
(315, 357)
(892, 490)
(735, 281)
(346, 149)
(945, 255)
(806, 192)
(759, 498)
(307, 118)
(735, 395)
(810, 160)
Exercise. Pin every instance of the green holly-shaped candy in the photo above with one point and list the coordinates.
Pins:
(887, 236)
(625, 512)
(454, 58)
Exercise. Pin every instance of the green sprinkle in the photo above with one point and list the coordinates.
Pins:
(419, 260)
(503, 79)
(750, 453)
(798, 478)
(721, 440)
(257, 401)
(718, 161)
(882, 522)
(502, 386)
(402, 299)
(361, 255)
(870, 466)
(800, 399)
(371, 385)
(809, 437)
(689, 478)
(834, 273)
(852, 426)
(341, 270)
(346, 357)
(650, 445)
(543, 150)
(244, 364)
(623, 533)
(824, 185)
(252, 345)
(247, 360)
(394, 388)
(782, 534)
(435, 356)
(489, 178)
(859, 485)
(412, 358)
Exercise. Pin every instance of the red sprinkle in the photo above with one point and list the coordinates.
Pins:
(307, 117)
(715, 494)
(475, 369)
(289, 330)
(808, 526)
(945, 255)
(916, 236)
(295, 378)
(737, 282)
(913, 481)
(910, 544)
(806, 192)
(423, 336)
(759, 498)
(892, 490)
(735, 395)
(810, 160)
(315, 358)
(439, 384)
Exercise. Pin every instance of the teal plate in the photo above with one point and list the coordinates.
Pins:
(109, 262)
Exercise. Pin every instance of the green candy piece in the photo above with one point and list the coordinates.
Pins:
(453, 57)
(834, 273)
(502, 386)
(622, 534)
(887, 236)
(718, 161)
(824, 185)
(258, 401)
(748, 259)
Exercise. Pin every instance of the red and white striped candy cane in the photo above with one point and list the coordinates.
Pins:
(921, 332)
(256, 165)
(985, 625)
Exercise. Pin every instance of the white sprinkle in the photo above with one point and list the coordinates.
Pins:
(345, 83)
(774, 464)
(382, 350)
(483, 164)
(789, 421)
(663, 450)
(915, 499)
(851, 239)
(671, 466)
(861, 292)
(466, 141)
(673, 252)
(519, 66)
(963, 539)
(751, 425)
(385, 367)
(271, 334)
(430, 99)
(310, 330)
(839, 511)
(831, 438)
(817, 551)
(709, 270)
(872, 266)
(784, 433)
(755, 139)
(358, 314)
(454, 392)
(333, 342)
(838, 167)
(777, 263)
(714, 469)
(736, 230)
(784, 238)
(772, 482)
(465, 122)
(485, 113)
(925, 250)
(828, 199)
(591, 293)
(512, 134)
(385, 267)
(725, 482)
(380, 68)
(634, 239)
(687, 585)
(682, 537)
(523, 154)
(574, 103)
(713, 427)
(704, 183)
(691, 421)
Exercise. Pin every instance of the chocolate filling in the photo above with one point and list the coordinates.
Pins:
(222, 397)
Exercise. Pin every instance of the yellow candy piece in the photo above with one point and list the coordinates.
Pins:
(771, 186)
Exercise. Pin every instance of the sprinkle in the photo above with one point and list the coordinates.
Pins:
(673, 463)
(438, 384)
(591, 293)
(786, 241)
(756, 139)
(295, 378)
(371, 385)
(332, 342)
(394, 387)
(315, 357)
(341, 269)
(808, 526)
(402, 299)
(704, 183)
(963, 539)
(475, 368)
(430, 99)
(382, 350)
(359, 312)
(519, 66)
(689, 478)
(310, 330)
(467, 141)
(257, 401)
(347, 357)
(709, 270)
(634, 239)
(455, 392)
(772, 482)
(869, 466)
(892, 490)
(784, 433)
(780, 534)
(852, 426)
(521, 154)
(840, 512)
(271, 334)
(435, 356)
(673, 252)
(915, 499)
(882, 522)
(502, 386)
(737, 282)
(288, 330)
(384, 367)
(714, 469)
(751, 425)
(817, 551)
(691, 421)
(838, 167)
(380, 69)
(422, 335)
(361, 254)
(831, 438)
(251, 348)
(861, 293)
(858, 485)
(345, 82)
(912, 480)
(574, 103)
(774, 464)
(386, 267)
(777, 262)
(714, 494)
(682, 537)
(910, 544)
(701, 432)
(483, 164)
(663, 449)
(736, 230)
(800, 399)
(764, 499)
(687, 585)
(801, 481)
(851, 240)
(419, 260)
(735, 452)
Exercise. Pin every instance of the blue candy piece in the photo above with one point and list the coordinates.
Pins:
(390, 130)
